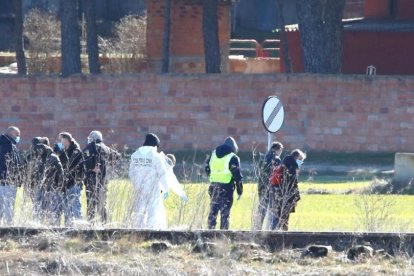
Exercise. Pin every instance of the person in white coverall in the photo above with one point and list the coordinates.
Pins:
(152, 177)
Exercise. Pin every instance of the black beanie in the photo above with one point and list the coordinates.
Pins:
(152, 140)
(40, 140)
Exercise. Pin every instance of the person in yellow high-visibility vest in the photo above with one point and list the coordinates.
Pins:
(223, 169)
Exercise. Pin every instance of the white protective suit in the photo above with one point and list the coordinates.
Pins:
(151, 176)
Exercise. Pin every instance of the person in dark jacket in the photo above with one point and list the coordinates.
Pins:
(31, 168)
(71, 157)
(266, 166)
(223, 169)
(288, 192)
(48, 200)
(97, 158)
(9, 170)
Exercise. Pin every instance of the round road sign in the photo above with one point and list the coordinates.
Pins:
(273, 114)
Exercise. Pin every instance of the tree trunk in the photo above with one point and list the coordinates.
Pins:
(283, 39)
(70, 32)
(18, 38)
(112, 10)
(335, 33)
(211, 36)
(321, 33)
(166, 37)
(92, 36)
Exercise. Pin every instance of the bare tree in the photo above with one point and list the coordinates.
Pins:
(70, 33)
(283, 39)
(18, 34)
(211, 36)
(42, 30)
(321, 33)
(92, 36)
(166, 37)
(128, 47)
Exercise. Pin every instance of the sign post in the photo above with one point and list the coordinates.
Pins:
(273, 115)
(269, 140)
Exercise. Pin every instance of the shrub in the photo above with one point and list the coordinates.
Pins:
(42, 30)
(126, 51)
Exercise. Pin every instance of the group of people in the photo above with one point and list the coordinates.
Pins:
(278, 200)
(54, 176)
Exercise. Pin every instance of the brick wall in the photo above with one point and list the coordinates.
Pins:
(389, 57)
(335, 113)
(186, 45)
(365, 48)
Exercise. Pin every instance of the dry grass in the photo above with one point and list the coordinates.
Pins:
(53, 254)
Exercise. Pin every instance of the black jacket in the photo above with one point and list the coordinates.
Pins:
(266, 166)
(47, 169)
(289, 187)
(9, 159)
(234, 166)
(292, 167)
(97, 156)
(72, 162)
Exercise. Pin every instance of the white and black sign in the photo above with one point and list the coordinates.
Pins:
(273, 114)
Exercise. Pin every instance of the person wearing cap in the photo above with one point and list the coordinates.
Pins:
(49, 184)
(40, 140)
(71, 157)
(97, 157)
(9, 168)
(34, 168)
(29, 160)
(223, 169)
(149, 173)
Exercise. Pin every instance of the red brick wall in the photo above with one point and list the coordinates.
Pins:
(389, 52)
(405, 10)
(361, 49)
(335, 113)
(186, 48)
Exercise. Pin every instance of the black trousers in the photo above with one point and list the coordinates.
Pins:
(96, 196)
(221, 196)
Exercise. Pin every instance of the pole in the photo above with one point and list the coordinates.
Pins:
(269, 140)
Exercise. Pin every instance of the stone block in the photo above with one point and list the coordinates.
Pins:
(404, 167)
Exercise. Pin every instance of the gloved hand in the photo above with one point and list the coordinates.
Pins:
(184, 198)
(238, 198)
(165, 195)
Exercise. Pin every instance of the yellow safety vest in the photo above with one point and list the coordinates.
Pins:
(219, 168)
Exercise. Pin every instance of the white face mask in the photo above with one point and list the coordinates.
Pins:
(299, 162)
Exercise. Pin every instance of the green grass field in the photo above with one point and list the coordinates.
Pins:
(334, 206)
(327, 212)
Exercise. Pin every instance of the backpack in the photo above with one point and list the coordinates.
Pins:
(276, 176)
